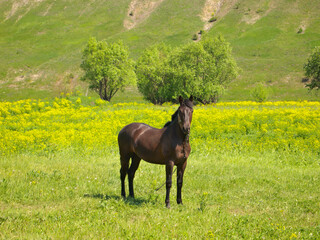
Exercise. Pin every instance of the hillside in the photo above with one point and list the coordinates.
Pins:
(41, 40)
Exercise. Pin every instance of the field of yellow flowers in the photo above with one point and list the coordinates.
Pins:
(253, 172)
(42, 126)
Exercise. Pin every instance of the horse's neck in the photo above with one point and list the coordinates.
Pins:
(178, 132)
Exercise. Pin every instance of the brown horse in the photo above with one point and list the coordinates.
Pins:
(168, 146)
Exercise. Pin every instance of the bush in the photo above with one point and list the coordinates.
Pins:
(195, 37)
(312, 69)
(260, 93)
(213, 19)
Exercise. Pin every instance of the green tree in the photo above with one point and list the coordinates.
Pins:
(206, 68)
(203, 69)
(312, 69)
(152, 73)
(107, 67)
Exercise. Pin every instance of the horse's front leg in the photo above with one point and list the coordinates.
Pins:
(180, 172)
(169, 168)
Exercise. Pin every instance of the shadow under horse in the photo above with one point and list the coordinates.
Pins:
(167, 146)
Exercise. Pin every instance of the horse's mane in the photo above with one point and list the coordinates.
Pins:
(187, 103)
(172, 118)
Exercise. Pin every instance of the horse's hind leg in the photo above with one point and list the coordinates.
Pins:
(132, 170)
(123, 172)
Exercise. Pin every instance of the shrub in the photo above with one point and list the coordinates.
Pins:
(260, 93)
(312, 69)
(213, 19)
(195, 37)
(259, 11)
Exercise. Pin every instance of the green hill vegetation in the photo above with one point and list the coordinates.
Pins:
(41, 41)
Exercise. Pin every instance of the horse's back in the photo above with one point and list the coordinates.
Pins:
(140, 139)
(127, 132)
(130, 130)
(130, 133)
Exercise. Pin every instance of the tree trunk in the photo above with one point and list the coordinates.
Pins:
(100, 89)
(105, 90)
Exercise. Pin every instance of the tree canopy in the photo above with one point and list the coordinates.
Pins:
(107, 67)
(203, 69)
(151, 70)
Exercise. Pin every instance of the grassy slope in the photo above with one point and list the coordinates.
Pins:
(271, 50)
(50, 45)
(40, 50)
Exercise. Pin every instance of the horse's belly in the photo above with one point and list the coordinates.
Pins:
(148, 148)
(149, 155)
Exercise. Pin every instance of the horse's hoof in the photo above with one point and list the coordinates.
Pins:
(168, 205)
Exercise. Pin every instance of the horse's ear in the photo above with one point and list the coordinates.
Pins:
(191, 98)
(180, 100)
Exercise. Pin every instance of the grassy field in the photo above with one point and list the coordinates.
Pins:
(41, 41)
(253, 172)
(246, 196)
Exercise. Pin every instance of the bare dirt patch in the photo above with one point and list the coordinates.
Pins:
(303, 26)
(139, 11)
(21, 7)
(252, 16)
(22, 78)
(19, 78)
(210, 9)
(217, 8)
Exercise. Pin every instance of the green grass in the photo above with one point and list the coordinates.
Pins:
(270, 50)
(226, 195)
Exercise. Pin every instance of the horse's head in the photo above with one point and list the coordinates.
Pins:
(185, 114)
